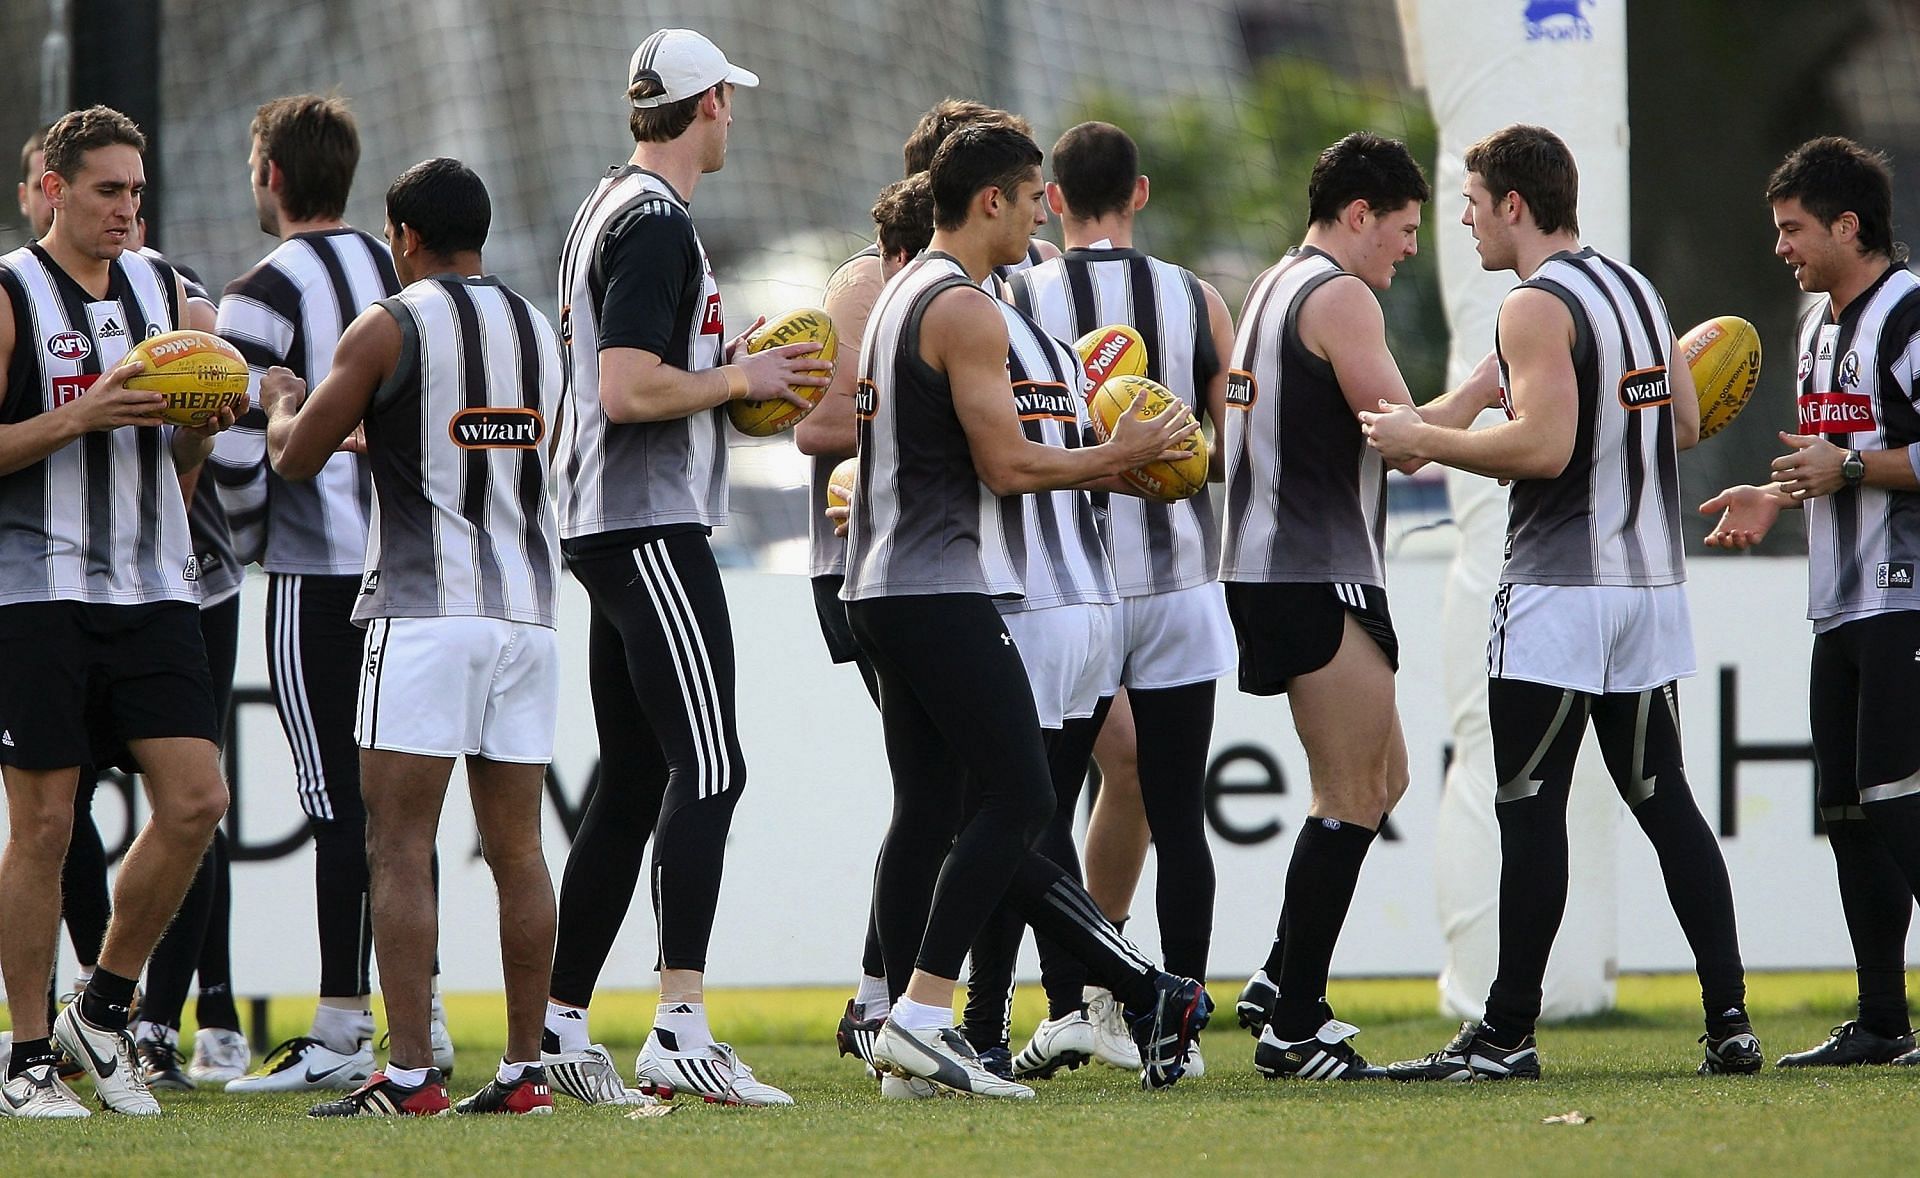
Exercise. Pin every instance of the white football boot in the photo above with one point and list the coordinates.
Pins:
(38, 1092)
(1113, 1043)
(1065, 1042)
(942, 1055)
(219, 1055)
(307, 1065)
(589, 1077)
(715, 1074)
(109, 1058)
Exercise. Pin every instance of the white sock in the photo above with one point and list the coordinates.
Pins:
(918, 1016)
(872, 996)
(569, 1026)
(151, 1030)
(439, 1009)
(508, 1073)
(407, 1077)
(682, 1026)
(340, 1029)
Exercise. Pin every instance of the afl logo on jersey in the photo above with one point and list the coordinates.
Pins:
(1644, 388)
(1806, 365)
(1241, 390)
(497, 429)
(69, 345)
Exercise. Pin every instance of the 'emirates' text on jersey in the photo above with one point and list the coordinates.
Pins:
(1306, 495)
(290, 310)
(462, 525)
(618, 476)
(1857, 383)
(101, 519)
(922, 521)
(1156, 547)
(1612, 516)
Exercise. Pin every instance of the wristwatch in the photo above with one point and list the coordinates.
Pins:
(1853, 469)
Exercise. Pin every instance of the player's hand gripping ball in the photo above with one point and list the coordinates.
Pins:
(197, 372)
(1165, 480)
(763, 419)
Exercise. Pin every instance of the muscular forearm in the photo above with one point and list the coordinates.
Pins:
(1452, 410)
(32, 440)
(1509, 450)
(666, 393)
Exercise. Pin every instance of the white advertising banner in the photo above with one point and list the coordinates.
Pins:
(801, 857)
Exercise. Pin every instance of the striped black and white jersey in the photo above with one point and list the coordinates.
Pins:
(290, 310)
(1156, 547)
(1306, 495)
(616, 477)
(101, 519)
(1066, 562)
(1612, 517)
(826, 552)
(462, 523)
(923, 521)
(1857, 383)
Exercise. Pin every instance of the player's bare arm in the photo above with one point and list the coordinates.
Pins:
(304, 429)
(829, 431)
(963, 335)
(1342, 323)
(637, 385)
(1686, 400)
(1536, 334)
(106, 405)
(1220, 323)
(1459, 407)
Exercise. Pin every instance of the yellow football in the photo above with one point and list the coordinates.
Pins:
(1724, 356)
(1111, 351)
(198, 372)
(1160, 479)
(763, 419)
(840, 483)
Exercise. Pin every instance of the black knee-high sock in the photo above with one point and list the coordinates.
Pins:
(990, 966)
(346, 918)
(214, 1007)
(1320, 883)
(1277, 954)
(1874, 897)
(85, 902)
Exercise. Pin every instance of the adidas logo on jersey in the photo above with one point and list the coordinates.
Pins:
(1894, 575)
(6, 737)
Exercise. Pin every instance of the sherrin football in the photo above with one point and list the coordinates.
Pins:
(1724, 356)
(840, 483)
(763, 419)
(198, 372)
(1161, 479)
(1111, 351)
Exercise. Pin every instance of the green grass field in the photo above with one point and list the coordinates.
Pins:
(1631, 1072)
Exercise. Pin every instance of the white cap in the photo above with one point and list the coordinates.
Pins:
(677, 64)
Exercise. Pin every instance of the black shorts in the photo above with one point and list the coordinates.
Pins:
(83, 679)
(842, 646)
(1287, 629)
(1861, 687)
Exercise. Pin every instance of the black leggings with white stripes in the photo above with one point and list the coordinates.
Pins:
(955, 705)
(660, 664)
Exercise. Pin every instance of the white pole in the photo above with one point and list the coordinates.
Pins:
(1485, 64)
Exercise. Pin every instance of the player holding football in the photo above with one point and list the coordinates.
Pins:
(1852, 468)
(97, 613)
(1590, 622)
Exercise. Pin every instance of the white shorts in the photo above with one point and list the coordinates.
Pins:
(1068, 652)
(451, 687)
(1173, 639)
(1594, 638)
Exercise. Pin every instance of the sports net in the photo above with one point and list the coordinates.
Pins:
(1230, 102)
